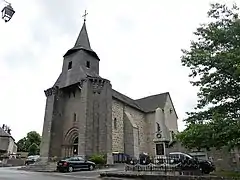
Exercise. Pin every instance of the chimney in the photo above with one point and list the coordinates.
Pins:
(9, 131)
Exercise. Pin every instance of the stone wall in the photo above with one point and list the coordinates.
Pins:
(12, 147)
(157, 176)
(50, 115)
(151, 131)
(117, 124)
(98, 110)
(131, 143)
(145, 123)
(69, 120)
(16, 162)
(225, 160)
(71, 108)
(139, 118)
(4, 142)
(170, 116)
(126, 130)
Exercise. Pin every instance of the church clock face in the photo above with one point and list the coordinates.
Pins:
(159, 135)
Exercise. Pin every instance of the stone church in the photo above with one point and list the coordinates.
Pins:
(84, 115)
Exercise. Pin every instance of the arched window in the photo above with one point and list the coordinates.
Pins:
(75, 117)
(70, 65)
(115, 123)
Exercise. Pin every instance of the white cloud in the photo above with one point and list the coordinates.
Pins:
(138, 42)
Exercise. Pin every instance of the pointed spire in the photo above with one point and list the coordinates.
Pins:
(83, 39)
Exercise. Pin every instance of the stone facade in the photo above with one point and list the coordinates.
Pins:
(7, 142)
(85, 116)
(118, 126)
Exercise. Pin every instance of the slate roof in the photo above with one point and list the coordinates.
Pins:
(82, 43)
(83, 46)
(3, 133)
(83, 39)
(146, 104)
(151, 103)
(121, 97)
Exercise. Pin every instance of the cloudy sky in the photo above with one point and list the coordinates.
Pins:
(139, 43)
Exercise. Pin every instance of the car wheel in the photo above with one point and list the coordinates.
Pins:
(90, 167)
(70, 169)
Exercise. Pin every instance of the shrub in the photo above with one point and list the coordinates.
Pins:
(98, 159)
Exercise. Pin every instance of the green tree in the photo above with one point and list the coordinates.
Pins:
(196, 136)
(33, 149)
(21, 144)
(216, 133)
(33, 137)
(25, 143)
(214, 61)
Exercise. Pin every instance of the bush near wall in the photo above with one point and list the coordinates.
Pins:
(98, 159)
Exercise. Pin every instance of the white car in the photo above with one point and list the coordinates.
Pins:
(32, 159)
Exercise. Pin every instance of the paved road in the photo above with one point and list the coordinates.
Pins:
(14, 174)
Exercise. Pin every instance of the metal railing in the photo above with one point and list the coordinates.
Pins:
(164, 165)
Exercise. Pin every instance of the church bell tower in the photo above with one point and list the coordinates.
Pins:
(79, 105)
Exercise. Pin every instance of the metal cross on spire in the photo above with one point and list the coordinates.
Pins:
(85, 15)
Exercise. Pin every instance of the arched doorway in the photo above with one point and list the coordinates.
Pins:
(75, 146)
(70, 145)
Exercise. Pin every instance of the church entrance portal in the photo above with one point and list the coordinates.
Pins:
(70, 146)
(75, 146)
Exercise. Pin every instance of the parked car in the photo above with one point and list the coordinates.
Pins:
(75, 163)
(199, 155)
(184, 161)
(32, 159)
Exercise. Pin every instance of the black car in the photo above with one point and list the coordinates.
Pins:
(187, 161)
(75, 163)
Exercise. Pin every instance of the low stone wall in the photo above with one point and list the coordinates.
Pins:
(40, 167)
(155, 176)
(15, 162)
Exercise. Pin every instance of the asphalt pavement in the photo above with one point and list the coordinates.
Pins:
(14, 174)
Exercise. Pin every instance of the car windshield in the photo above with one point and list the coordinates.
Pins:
(74, 159)
(201, 157)
(183, 154)
(189, 155)
(33, 157)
